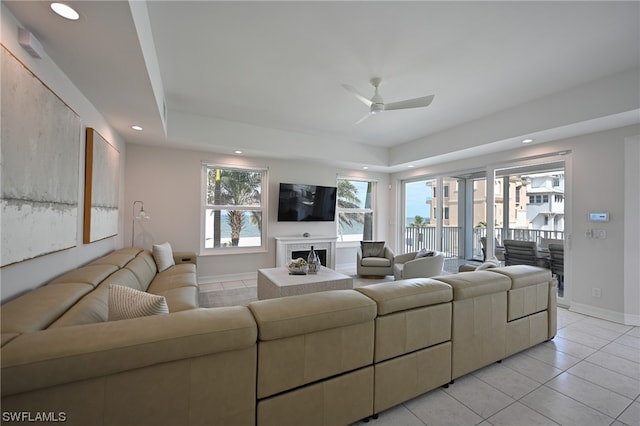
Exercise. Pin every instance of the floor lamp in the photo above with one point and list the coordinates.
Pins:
(142, 215)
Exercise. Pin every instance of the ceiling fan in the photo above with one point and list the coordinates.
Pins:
(376, 103)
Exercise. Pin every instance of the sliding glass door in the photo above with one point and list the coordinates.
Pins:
(451, 214)
(432, 215)
(419, 215)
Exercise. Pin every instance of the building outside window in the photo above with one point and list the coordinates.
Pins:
(356, 209)
(234, 209)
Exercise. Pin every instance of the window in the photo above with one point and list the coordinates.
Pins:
(234, 209)
(446, 190)
(356, 201)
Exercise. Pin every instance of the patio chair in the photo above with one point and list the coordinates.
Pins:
(523, 253)
(556, 260)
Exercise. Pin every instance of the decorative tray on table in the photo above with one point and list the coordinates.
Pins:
(298, 266)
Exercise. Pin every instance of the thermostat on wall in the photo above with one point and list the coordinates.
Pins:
(599, 216)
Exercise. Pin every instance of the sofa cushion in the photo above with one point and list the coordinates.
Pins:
(37, 309)
(90, 274)
(118, 258)
(376, 262)
(163, 255)
(127, 303)
(407, 294)
(475, 283)
(524, 275)
(92, 308)
(308, 313)
(144, 268)
(180, 298)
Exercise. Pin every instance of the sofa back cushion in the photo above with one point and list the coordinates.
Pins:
(94, 306)
(37, 309)
(144, 268)
(118, 258)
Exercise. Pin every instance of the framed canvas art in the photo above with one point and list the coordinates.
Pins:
(101, 188)
(40, 167)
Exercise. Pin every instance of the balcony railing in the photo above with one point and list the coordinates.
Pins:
(418, 237)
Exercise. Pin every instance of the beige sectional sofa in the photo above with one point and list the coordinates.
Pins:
(329, 358)
(62, 359)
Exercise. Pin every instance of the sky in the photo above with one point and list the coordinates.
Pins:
(417, 194)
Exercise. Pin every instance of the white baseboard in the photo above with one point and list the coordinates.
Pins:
(227, 277)
(605, 314)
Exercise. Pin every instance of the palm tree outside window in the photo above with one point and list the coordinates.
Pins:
(355, 202)
(234, 208)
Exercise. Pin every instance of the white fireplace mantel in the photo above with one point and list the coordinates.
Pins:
(286, 245)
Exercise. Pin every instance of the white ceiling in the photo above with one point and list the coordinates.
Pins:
(279, 67)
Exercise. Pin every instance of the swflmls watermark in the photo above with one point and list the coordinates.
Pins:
(34, 416)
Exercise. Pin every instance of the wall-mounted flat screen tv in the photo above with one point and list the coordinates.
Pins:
(299, 202)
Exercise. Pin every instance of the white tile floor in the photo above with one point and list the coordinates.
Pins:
(588, 375)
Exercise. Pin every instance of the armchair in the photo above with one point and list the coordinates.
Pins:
(408, 266)
(374, 259)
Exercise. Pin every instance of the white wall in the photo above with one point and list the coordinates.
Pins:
(26, 275)
(600, 177)
(168, 181)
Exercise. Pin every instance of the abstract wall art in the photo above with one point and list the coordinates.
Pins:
(39, 166)
(101, 188)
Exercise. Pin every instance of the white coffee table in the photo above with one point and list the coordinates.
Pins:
(276, 282)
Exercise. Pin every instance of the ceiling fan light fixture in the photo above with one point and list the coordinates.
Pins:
(376, 108)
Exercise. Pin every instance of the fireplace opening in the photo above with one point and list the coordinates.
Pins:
(322, 255)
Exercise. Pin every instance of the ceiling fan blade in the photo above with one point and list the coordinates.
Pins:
(355, 93)
(410, 103)
(367, 115)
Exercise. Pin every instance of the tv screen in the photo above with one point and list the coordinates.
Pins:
(299, 202)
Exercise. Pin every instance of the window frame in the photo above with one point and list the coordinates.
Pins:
(262, 208)
(372, 210)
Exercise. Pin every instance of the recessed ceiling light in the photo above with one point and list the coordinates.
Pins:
(410, 166)
(237, 151)
(528, 140)
(365, 167)
(65, 11)
(136, 127)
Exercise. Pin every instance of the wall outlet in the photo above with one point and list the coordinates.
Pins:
(599, 234)
(596, 292)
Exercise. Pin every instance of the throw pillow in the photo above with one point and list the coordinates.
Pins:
(163, 255)
(424, 253)
(489, 263)
(372, 248)
(126, 303)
